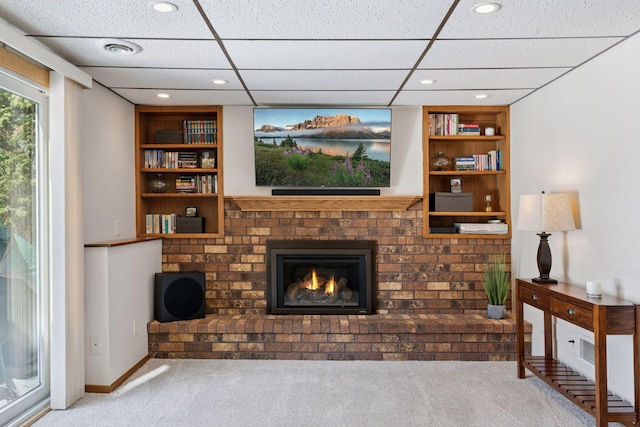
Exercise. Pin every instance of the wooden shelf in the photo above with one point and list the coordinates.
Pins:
(149, 120)
(324, 203)
(577, 388)
(477, 183)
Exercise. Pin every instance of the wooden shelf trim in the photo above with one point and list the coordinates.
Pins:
(182, 171)
(468, 137)
(467, 173)
(179, 147)
(324, 203)
(485, 214)
(170, 195)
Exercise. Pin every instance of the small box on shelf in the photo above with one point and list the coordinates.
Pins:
(168, 137)
(451, 202)
(193, 224)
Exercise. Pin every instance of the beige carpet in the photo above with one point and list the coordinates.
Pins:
(324, 393)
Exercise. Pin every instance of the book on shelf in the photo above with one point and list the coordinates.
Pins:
(160, 159)
(208, 159)
(200, 131)
(443, 124)
(207, 184)
(160, 223)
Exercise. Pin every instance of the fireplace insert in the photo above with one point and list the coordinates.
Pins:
(320, 276)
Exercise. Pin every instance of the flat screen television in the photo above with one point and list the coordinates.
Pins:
(322, 147)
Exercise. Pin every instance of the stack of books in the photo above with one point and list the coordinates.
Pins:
(185, 184)
(469, 129)
(481, 228)
(465, 163)
(187, 160)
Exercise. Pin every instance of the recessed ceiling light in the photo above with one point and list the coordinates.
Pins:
(163, 6)
(486, 8)
(219, 82)
(120, 47)
(427, 81)
(481, 96)
(163, 95)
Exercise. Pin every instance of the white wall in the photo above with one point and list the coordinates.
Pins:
(406, 152)
(119, 291)
(108, 159)
(581, 132)
(118, 280)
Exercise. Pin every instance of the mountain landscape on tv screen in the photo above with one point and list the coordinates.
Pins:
(321, 149)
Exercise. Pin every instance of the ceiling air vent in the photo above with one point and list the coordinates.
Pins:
(120, 47)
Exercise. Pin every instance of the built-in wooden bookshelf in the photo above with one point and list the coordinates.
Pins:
(480, 183)
(196, 132)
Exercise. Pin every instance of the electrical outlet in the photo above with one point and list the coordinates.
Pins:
(135, 327)
(95, 345)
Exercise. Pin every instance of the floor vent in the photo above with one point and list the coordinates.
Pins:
(587, 351)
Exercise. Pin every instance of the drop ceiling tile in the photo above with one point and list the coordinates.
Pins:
(163, 78)
(447, 97)
(545, 18)
(506, 78)
(322, 98)
(325, 55)
(113, 18)
(185, 97)
(528, 53)
(327, 19)
(323, 79)
(155, 53)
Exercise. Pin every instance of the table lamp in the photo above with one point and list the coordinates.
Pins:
(545, 212)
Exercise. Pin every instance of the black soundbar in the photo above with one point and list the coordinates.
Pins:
(325, 192)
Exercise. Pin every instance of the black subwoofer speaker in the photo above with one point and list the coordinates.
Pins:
(179, 296)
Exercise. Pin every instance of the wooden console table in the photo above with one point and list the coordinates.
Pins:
(603, 316)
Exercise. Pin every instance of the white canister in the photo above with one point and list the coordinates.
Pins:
(489, 131)
(594, 288)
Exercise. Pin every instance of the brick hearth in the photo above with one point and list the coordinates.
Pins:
(336, 337)
(429, 301)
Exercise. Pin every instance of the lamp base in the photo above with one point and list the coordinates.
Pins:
(546, 281)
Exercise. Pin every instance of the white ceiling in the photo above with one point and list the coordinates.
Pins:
(327, 52)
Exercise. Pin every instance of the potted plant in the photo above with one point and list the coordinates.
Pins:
(496, 284)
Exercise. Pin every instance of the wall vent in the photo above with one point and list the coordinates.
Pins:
(587, 351)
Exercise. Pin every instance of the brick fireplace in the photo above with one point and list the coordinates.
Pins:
(429, 302)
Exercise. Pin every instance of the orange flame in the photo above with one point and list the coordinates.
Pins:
(329, 289)
(314, 281)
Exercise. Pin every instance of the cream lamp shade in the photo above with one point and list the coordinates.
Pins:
(545, 212)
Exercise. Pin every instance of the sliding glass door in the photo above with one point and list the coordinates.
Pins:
(23, 308)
